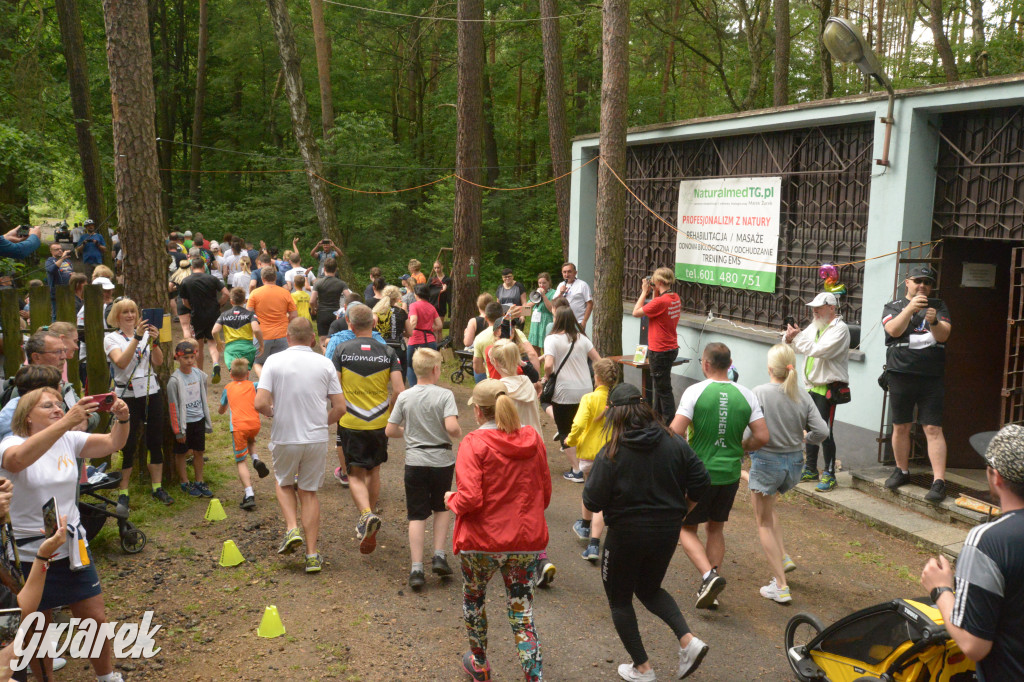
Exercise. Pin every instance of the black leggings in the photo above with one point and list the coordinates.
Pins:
(634, 562)
(147, 419)
(828, 449)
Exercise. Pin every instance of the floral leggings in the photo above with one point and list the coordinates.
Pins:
(519, 572)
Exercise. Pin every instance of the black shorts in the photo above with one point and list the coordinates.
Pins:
(908, 390)
(182, 310)
(364, 449)
(425, 488)
(714, 506)
(564, 414)
(195, 438)
(203, 329)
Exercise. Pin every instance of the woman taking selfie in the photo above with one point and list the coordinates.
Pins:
(135, 380)
(644, 481)
(503, 487)
(40, 460)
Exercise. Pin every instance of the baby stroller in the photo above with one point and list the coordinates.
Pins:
(95, 509)
(903, 640)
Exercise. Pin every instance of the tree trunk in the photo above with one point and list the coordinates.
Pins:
(136, 172)
(490, 139)
(945, 52)
(979, 58)
(469, 113)
(165, 112)
(322, 41)
(558, 129)
(81, 106)
(780, 93)
(197, 114)
(611, 195)
(824, 58)
(296, 94)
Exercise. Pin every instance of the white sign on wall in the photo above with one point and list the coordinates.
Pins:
(729, 232)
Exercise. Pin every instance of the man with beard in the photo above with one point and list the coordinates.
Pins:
(825, 345)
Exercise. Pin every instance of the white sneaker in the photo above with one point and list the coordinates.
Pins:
(59, 663)
(628, 671)
(778, 594)
(788, 565)
(691, 656)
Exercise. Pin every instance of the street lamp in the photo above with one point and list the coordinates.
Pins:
(846, 44)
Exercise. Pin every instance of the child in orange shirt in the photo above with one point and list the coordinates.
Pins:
(238, 400)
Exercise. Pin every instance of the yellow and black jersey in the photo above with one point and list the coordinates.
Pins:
(365, 366)
(237, 324)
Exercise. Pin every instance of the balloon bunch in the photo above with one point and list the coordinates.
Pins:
(830, 274)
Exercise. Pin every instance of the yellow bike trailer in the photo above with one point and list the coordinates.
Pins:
(903, 640)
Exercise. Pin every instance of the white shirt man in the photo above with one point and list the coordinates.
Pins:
(577, 293)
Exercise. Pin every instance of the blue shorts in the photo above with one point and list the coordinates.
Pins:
(772, 472)
(63, 586)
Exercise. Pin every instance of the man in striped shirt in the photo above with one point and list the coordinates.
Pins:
(982, 608)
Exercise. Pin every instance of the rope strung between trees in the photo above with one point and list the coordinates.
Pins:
(430, 18)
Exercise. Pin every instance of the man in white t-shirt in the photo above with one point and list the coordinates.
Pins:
(577, 293)
(296, 387)
(297, 269)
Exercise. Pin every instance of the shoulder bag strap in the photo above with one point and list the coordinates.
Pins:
(562, 363)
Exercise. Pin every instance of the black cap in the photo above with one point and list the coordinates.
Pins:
(624, 394)
(88, 221)
(184, 348)
(923, 272)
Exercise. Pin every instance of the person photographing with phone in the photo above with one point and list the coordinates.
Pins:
(662, 344)
(133, 349)
(21, 242)
(916, 330)
(39, 460)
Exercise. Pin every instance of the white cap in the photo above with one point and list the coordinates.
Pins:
(188, 233)
(104, 282)
(824, 298)
(214, 245)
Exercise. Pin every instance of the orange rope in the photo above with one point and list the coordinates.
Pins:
(753, 260)
(539, 184)
(386, 191)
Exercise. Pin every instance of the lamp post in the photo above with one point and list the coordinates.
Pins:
(846, 44)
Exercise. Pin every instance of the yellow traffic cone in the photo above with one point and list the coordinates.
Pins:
(215, 512)
(271, 625)
(229, 555)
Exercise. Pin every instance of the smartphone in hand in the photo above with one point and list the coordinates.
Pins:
(104, 401)
(50, 522)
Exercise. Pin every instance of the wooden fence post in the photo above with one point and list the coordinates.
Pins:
(66, 313)
(40, 314)
(11, 321)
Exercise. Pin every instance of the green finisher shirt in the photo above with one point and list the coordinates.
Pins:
(719, 412)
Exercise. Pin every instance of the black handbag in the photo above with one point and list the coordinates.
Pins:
(838, 393)
(883, 379)
(547, 393)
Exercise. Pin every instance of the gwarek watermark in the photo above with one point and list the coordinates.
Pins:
(83, 638)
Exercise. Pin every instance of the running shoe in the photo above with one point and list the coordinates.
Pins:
(292, 539)
(808, 475)
(122, 508)
(314, 563)
(439, 565)
(341, 477)
(896, 479)
(248, 502)
(59, 663)
(778, 594)
(216, 374)
(260, 467)
(937, 492)
(474, 669)
(582, 531)
(190, 489)
(203, 489)
(573, 476)
(690, 657)
(417, 580)
(788, 565)
(827, 483)
(628, 672)
(545, 573)
(161, 495)
(591, 553)
(709, 589)
(366, 532)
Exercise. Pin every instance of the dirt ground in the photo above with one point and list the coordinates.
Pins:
(358, 620)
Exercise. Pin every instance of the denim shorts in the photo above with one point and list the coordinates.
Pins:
(773, 472)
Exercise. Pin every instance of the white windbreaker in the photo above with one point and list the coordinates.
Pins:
(830, 352)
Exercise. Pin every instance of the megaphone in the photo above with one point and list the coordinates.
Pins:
(536, 297)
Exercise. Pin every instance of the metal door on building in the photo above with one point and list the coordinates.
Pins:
(1013, 369)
